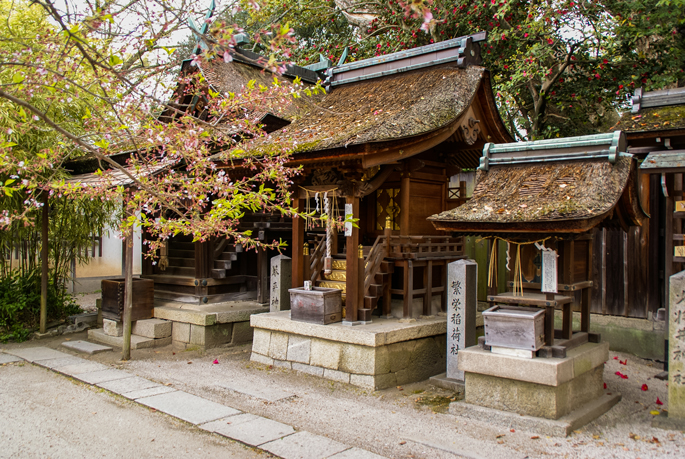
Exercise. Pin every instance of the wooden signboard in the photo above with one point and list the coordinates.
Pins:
(549, 271)
(679, 251)
(348, 214)
(680, 206)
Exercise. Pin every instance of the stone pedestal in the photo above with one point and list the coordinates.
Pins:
(281, 281)
(383, 354)
(546, 388)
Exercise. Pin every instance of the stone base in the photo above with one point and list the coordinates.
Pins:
(541, 387)
(444, 382)
(561, 427)
(209, 326)
(383, 354)
(137, 342)
(664, 422)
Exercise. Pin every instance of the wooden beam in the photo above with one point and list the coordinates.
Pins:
(298, 245)
(128, 296)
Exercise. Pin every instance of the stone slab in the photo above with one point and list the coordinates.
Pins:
(189, 316)
(249, 429)
(136, 394)
(152, 328)
(545, 371)
(33, 354)
(62, 361)
(6, 358)
(257, 390)
(81, 368)
(356, 453)
(85, 347)
(137, 342)
(122, 386)
(304, 445)
(561, 427)
(380, 332)
(444, 382)
(188, 407)
(676, 347)
(97, 377)
(259, 358)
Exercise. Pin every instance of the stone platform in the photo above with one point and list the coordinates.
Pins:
(544, 388)
(211, 325)
(382, 354)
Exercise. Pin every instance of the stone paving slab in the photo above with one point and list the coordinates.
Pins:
(249, 429)
(356, 453)
(304, 445)
(102, 376)
(6, 358)
(81, 368)
(136, 394)
(85, 347)
(270, 394)
(61, 362)
(32, 354)
(188, 407)
(137, 342)
(122, 386)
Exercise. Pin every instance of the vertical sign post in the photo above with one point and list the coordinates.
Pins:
(676, 344)
(462, 302)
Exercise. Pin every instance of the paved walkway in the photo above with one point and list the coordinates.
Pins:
(274, 437)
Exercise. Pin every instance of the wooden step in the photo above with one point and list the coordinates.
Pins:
(230, 256)
(179, 271)
(387, 267)
(181, 253)
(381, 278)
(332, 284)
(376, 290)
(370, 302)
(218, 273)
(187, 262)
(336, 275)
(222, 264)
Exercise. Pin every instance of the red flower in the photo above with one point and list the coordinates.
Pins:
(215, 362)
(550, 41)
(659, 402)
(605, 385)
(620, 86)
(644, 387)
(623, 362)
(615, 358)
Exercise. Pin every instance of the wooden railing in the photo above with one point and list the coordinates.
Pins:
(424, 247)
(316, 260)
(373, 261)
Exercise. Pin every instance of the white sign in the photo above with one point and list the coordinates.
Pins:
(549, 271)
(348, 215)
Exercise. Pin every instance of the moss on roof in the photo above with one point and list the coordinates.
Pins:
(653, 119)
(543, 192)
(388, 108)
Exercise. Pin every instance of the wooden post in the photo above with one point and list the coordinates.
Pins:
(204, 263)
(428, 285)
(128, 295)
(405, 185)
(363, 313)
(586, 295)
(549, 321)
(408, 289)
(44, 254)
(668, 238)
(352, 264)
(569, 278)
(306, 262)
(387, 296)
(492, 290)
(298, 244)
(262, 276)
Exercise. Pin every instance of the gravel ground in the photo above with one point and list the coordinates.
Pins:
(87, 301)
(43, 414)
(411, 422)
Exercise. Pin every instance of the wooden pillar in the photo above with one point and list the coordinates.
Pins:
(204, 263)
(44, 255)
(408, 289)
(586, 295)
(387, 296)
(428, 285)
(668, 237)
(404, 204)
(128, 296)
(352, 266)
(492, 290)
(363, 312)
(262, 276)
(298, 245)
(569, 278)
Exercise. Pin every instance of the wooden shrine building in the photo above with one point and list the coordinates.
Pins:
(550, 194)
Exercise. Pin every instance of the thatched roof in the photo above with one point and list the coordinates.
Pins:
(652, 119)
(550, 192)
(388, 108)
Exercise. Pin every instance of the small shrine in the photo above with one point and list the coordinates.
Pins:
(542, 199)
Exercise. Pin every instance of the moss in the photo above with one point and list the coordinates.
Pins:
(653, 119)
(437, 403)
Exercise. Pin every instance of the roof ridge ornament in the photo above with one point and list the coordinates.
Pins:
(465, 51)
(596, 146)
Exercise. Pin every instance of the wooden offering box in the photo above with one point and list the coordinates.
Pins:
(318, 306)
(113, 299)
(514, 327)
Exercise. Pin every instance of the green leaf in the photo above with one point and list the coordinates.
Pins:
(18, 78)
(87, 115)
(8, 182)
(102, 143)
(115, 60)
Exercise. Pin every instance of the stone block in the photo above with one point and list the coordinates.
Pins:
(85, 347)
(335, 375)
(180, 332)
(136, 394)
(278, 347)
(360, 360)
(304, 445)
(112, 327)
(309, 369)
(299, 349)
(281, 281)
(234, 312)
(137, 342)
(462, 302)
(399, 355)
(325, 354)
(249, 429)
(152, 328)
(188, 407)
(283, 364)
(365, 381)
(125, 385)
(261, 340)
(189, 316)
(211, 336)
(425, 361)
(259, 358)
(530, 399)
(385, 381)
(96, 377)
(242, 333)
